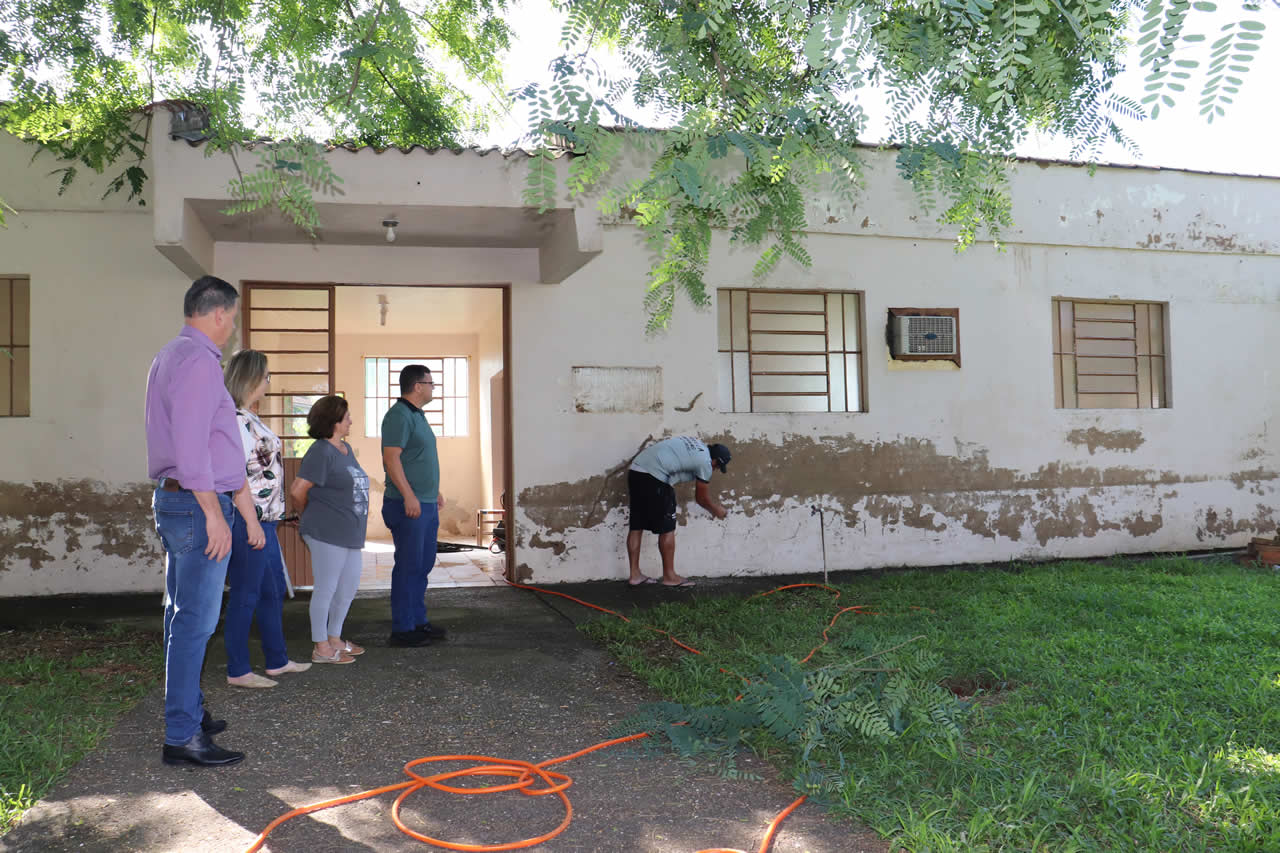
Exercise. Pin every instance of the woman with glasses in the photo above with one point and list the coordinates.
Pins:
(256, 576)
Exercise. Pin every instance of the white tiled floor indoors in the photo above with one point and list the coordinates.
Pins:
(456, 568)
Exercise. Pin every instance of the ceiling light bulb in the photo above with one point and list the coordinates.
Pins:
(390, 225)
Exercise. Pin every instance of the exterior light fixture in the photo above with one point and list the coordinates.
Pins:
(390, 225)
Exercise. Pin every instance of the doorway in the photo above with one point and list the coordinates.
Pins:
(352, 340)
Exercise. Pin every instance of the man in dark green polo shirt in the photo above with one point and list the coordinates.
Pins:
(411, 506)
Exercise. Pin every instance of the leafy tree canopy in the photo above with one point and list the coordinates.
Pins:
(760, 102)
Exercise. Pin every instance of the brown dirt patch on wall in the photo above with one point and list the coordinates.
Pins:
(910, 483)
(1093, 438)
(86, 518)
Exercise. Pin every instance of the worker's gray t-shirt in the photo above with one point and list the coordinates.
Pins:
(338, 503)
(675, 460)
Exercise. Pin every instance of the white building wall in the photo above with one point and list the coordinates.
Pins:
(75, 501)
(948, 465)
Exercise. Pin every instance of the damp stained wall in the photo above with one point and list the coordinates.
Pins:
(75, 501)
(948, 465)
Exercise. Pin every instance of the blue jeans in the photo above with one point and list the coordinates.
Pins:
(415, 540)
(193, 596)
(257, 583)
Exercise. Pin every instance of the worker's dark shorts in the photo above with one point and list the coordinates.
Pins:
(653, 503)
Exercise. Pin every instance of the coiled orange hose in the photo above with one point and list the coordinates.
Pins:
(525, 773)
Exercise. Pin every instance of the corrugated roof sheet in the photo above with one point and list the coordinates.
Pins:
(505, 153)
(514, 151)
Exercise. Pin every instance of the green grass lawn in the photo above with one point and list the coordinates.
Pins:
(61, 690)
(1131, 705)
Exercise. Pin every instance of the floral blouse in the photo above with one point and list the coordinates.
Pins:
(264, 466)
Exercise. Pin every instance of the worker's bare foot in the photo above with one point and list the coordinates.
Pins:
(642, 580)
(677, 582)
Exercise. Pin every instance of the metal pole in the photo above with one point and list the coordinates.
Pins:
(822, 534)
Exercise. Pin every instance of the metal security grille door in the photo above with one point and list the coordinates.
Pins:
(294, 326)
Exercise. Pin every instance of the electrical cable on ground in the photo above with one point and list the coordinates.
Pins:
(527, 774)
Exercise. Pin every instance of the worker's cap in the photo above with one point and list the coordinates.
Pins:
(720, 456)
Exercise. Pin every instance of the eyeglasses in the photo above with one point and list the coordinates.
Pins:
(426, 382)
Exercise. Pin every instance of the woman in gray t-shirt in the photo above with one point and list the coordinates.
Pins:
(331, 492)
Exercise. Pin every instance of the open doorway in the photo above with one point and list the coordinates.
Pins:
(352, 339)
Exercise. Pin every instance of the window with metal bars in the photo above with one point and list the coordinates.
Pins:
(1110, 355)
(447, 411)
(15, 347)
(790, 351)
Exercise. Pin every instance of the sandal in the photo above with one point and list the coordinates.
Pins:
(337, 657)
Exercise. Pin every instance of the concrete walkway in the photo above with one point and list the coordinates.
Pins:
(514, 680)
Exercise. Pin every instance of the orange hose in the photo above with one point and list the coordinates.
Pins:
(860, 609)
(771, 830)
(524, 773)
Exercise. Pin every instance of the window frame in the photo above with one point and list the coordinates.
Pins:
(1151, 314)
(393, 388)
(15, 357)
(835, 300)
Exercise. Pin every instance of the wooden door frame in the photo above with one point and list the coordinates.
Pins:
(508, 432)
(248, 285)
(297, 556)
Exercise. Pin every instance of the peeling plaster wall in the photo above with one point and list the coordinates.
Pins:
(948, 466)
(75, 503)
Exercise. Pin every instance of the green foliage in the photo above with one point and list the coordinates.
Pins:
(1127, 705)
(63, 690)
(286, 177)
(1163, 30)
(87, 77)
(761, 104)
(824, 717)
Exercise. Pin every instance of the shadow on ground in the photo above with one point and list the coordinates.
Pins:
(515, 680)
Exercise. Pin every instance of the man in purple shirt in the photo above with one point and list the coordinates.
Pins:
(195, 456)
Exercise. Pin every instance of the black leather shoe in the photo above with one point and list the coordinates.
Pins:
(409, 639)
(201, 751)
(210, 726)
(432, 631)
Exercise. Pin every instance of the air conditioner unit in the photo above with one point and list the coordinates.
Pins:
(924, 335)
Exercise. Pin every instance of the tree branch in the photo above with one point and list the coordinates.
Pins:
(595, 24)
(720, 69)
(475, 74)
(392, 86)
(355, 79)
